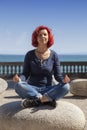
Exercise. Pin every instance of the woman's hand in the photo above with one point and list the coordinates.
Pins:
(16, 78)
(66, 79)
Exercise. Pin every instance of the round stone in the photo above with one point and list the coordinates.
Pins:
(79, 87)
(66, 116)
(3, 85)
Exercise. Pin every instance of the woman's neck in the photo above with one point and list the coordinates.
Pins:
(41, 49)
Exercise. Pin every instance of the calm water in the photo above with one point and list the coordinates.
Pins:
(15, 58)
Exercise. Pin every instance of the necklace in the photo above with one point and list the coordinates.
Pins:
(42, 55)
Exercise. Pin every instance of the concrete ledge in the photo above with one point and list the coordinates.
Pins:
(66, 116)
(79, 87)
(3, 85)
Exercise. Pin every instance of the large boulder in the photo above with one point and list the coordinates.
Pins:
(79, 87)
(3, 85)
(66, 116)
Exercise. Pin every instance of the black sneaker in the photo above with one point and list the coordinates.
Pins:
(30, 102)
(51, 103)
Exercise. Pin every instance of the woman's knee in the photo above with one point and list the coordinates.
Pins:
(19, 90)
(66, 87)
(17, 86)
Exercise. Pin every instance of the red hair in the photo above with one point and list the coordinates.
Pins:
(35, 34)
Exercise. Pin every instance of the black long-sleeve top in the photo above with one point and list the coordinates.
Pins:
(40, 74)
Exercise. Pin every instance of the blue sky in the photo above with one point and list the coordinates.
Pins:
(66, 18)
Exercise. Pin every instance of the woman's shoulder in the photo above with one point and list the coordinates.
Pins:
(54, 53)
(30, 52)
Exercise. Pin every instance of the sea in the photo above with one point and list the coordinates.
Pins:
(62, 57)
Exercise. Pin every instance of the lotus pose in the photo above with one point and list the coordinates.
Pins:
(35, 85)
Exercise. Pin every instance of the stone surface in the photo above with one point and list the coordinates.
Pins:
(79, 87)
(66, 116)
(3, 85)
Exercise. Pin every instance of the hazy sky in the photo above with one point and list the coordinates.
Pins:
(66, 18)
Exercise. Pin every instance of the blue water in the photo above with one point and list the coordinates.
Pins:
(11, 58)
(73, 57)
(19, 58)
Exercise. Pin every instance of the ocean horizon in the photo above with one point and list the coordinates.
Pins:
(62, 57)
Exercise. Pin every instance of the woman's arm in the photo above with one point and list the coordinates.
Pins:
(26, 66)
(57, 71)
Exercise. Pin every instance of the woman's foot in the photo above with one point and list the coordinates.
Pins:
(51, 103)
(33, 102)
(30, 102)
(45, 101)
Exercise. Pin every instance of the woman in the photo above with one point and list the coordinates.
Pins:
(34, 86)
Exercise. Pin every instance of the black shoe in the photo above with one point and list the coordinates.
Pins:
(51, 103)
(30, 102)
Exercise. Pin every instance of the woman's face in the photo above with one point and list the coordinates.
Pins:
(42, 37)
